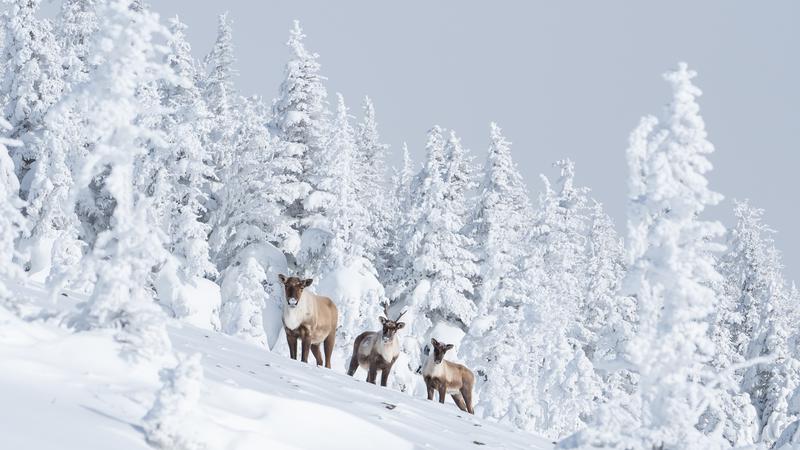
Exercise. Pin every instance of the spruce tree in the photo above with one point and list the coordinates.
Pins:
(300, 118)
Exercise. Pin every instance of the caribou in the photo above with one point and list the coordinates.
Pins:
(377, 350)
(448, 377)
(309, 317)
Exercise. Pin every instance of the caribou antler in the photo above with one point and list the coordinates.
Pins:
(401, 315)
(386, 310)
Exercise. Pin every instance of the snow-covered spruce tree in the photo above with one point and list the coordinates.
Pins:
(32, 79)
(370, 170)
(757, 320)
(300, 118)
(670, 274)
(77, 24)
(337, 248)
(561, 388)
(390, 267)
(437, 260)
(220, 97)
(243, 301)
(608, 318)
(441, 254)
(249, 210)
(336, 185)
(12, 223)
(165, 424)
(251, 221)
(188, 163)
(494, 345)
(500, 221)
(123, 256)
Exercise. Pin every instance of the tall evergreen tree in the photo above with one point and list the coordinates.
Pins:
(756, 320)
(123, 256)
(220, 97)
(370, 166)
(300, 118)
(501, 219)
(187, 162)
(670, 275)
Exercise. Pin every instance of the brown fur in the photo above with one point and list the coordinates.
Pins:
(312, 320)
(377, 350)
(448, 377)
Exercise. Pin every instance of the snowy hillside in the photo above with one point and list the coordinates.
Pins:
(196, 221)
(63, 390)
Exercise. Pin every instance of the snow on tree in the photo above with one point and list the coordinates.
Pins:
(440, 253)
(670, 275)
(220, 97)
(250, 209)
(500, 221)
(338, 227)
(12, 223)
(32, 79)
(165, 425)
(370, 171)
(435, 254)
(390, 268)
(78, 22)
(244, 299)
(607, 317)
(756, 319)
(188, 161)
(526, 346)
(300, 118)
(123, 256)
(334, 243)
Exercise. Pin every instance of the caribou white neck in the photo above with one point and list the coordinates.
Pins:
(294, 316)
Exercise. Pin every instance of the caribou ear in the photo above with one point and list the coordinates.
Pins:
(282, 277)
(434, 342)
(382, 319)
(307, 282)
(448, 347)
(400, 325)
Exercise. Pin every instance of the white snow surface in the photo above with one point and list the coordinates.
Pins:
(64, 390)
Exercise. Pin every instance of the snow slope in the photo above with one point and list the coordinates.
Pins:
(61, 390)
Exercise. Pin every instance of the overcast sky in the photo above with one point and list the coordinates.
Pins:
(563, 79)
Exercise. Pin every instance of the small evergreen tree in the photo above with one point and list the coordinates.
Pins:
(164, 424)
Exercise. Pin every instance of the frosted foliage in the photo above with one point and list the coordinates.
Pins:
(501, 219)
(243, 300)
(165, 425)
(250, 203)
(124, 255)
(437, 249)
(670, 279)
(78, 23)
(32, 77)
(185, 159)
(369, 164)
(12, 223)
(300, 118)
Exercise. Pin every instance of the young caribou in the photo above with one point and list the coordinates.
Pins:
(309, 317)
(448, 377)
(377, 350)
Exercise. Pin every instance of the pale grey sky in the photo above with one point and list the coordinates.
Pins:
(563, 79)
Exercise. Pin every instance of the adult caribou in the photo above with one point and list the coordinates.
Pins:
(377, 350)
(309, 317)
